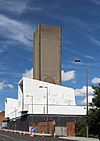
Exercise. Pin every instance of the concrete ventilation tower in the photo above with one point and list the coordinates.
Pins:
(47, 54)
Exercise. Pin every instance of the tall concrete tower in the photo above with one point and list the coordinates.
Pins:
(47, 53)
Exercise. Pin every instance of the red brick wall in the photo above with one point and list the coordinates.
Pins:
(42, 127)
(2, 116)
(71, 128)
(51, 126)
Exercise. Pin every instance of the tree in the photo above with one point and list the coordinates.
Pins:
(81, 127)
(93, 117)
(94, 114)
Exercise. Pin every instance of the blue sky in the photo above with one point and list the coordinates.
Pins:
(80, 21)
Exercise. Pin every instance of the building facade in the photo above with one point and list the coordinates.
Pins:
(36, 96)
(47, 54)
(40, 103)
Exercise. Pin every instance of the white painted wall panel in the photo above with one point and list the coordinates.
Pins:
(61, 100)
(11, 108)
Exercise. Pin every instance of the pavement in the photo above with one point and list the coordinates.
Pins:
(80, 139)
(69, 138)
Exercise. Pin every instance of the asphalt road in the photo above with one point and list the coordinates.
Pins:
(8, 136)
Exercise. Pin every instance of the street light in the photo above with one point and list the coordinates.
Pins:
(46, 102)
(77, 60)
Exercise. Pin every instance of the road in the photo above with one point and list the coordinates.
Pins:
(8, 136)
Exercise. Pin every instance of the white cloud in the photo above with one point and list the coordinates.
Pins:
(16, 8)
(67, 76)
(94, 41)
(10, 86)
(83, 102)
(16, 31)
(96, 2)
(1, 85)
(90, 57)
(2, 49)
(5, 85)
(82, 91)
(96, 80)
(36, 9)
(28, 73)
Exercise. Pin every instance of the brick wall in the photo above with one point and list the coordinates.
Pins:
(39, 121)
(71, 128)
(45, 127)
(2, 116)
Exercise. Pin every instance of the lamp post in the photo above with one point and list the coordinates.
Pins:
(77, 60)
(46, 102)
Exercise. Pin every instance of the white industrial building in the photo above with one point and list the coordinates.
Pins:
(11, 108)
(38, 97)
